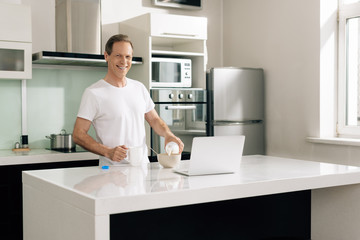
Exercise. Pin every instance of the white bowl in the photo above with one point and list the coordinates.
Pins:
(169, 161)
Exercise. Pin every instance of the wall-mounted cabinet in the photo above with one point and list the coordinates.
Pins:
(165, 35)
(15, 60)
(177, 26)
(15, 41)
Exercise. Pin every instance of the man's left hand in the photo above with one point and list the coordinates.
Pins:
(176, 140)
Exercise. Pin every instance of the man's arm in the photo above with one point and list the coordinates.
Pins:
(82, 138)
(162, 129)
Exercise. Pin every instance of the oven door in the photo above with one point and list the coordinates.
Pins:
(195, 118)
(182, 119)
(174, 115)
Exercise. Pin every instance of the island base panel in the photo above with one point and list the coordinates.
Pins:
(336, 213)
(278, 216)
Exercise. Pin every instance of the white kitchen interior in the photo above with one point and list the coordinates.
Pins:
(294, 41)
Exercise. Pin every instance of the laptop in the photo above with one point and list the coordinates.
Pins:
(214, 155)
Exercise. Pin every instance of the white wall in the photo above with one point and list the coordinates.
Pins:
(287, 39)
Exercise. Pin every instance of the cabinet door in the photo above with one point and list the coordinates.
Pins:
(178, 26)
(15, 60)
(15, 22)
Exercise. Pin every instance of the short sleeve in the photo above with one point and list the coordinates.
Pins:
(148, 101)
(88, 107)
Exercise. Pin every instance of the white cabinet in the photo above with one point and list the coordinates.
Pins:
(15, 60)
(15, 41)
(165, 35)
(15, 22)
(177, 26)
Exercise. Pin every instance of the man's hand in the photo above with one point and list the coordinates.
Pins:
(117, 153)
(162, 129)
(173, 138)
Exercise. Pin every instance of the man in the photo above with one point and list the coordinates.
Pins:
(117, 107)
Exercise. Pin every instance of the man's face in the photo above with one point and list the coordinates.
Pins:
(119, 62)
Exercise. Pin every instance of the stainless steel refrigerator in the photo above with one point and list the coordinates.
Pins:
(236, 105)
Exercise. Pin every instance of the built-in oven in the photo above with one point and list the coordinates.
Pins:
(184, 111)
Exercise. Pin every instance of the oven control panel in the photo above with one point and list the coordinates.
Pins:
(182, 95)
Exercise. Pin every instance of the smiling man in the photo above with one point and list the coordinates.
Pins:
(116, 106)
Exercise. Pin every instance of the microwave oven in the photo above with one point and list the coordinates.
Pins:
(170, 72)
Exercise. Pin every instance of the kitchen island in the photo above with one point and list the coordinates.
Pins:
(292, 196)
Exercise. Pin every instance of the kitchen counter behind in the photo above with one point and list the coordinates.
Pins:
(8, 157)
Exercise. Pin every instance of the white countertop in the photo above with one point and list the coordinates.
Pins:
(9, 157)
(126, 188)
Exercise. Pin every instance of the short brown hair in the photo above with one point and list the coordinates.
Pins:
(114, 39)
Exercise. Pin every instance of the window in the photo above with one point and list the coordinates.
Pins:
(349, 69)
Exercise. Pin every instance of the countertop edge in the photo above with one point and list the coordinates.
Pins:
(114, 205)
(220, 193)
(46, 157)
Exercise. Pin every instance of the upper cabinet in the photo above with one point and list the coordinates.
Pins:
(166, 35)
(166, 25)
(15, 24)
(15, 41)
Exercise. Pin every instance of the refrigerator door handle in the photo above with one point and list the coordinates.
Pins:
(234, 123)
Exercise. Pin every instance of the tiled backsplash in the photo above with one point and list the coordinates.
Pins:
(53, 98)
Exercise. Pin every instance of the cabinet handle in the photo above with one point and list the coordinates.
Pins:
(179, 34)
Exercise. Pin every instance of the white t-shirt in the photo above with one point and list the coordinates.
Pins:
(117, 114)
